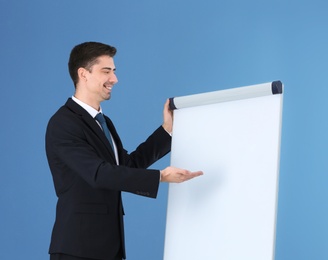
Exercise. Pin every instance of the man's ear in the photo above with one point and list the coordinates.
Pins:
(82, 73)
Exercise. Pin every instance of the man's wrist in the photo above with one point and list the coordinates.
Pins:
(167, 130)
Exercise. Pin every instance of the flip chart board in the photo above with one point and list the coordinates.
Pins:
(233, 136)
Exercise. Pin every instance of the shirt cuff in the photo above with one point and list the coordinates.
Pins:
(167, 131)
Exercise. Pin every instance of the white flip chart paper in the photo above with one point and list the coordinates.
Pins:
(229, 213)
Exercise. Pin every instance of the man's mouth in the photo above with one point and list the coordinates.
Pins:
(108, 87)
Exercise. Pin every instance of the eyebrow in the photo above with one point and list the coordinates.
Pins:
(108, 68)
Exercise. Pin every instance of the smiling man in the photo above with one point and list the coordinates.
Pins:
(90, 167)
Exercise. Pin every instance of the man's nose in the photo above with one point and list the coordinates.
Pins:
(113, 79)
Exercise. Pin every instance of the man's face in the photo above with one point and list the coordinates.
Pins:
(101, 79)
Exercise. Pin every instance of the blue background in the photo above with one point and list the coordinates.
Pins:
(165, 49)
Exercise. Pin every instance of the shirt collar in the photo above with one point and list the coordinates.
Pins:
(93, 112)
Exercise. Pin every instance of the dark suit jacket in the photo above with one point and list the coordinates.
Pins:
(88, 183)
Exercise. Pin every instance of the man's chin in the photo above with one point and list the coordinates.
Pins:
(108, 97)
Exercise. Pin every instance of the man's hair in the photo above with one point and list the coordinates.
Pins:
(85, 55)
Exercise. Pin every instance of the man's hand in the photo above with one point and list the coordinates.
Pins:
(167, 117)
(176, 175)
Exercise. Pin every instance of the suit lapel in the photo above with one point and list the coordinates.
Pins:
(91, 123)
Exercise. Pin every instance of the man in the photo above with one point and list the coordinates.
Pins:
(90, 167)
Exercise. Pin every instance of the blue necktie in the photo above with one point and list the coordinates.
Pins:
(101, 119)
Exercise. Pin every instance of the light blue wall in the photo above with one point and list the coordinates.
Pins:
(165, 48)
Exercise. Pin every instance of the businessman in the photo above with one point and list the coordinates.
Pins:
(90, 167)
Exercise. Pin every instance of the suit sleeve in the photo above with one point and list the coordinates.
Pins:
(155, 147)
